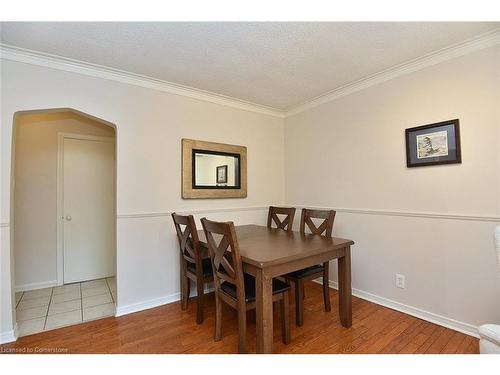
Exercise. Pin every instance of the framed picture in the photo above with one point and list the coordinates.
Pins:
(222, 174)
(433, 144)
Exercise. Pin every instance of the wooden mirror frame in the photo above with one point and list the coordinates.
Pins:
(188, 145)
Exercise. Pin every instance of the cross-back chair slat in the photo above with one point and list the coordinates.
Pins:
(225, 255)
(326, 226)
(286, 223)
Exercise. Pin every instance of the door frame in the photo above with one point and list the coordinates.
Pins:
(60, 196)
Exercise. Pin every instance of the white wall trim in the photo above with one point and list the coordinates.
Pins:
(140, 215)
(156, 302)
(149, 304)
(27, 56)
(453, 324)
(4, 225)
(427, 215)
(487, 40)
(13, 53)
(37, 285)
(9, 336)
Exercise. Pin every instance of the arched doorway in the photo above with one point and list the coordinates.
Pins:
(64, 218)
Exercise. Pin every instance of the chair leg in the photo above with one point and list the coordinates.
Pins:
(218, 318)
(299, 308)
(185, 288)
(326, 286)
(242, 330)
(285, 318)
(199, 301)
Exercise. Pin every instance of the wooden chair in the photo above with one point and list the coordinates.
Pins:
(287, 223)
(313, 272)
(235, 287)
(193, 266)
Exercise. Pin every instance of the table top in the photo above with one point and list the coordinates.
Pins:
(262, 246)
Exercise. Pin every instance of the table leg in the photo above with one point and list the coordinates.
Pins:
(345, 293)
(264, 312)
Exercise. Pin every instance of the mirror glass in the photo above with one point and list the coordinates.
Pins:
(215, 170)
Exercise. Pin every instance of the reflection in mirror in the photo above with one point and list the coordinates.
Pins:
(215, 170)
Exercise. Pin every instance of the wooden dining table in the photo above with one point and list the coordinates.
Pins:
(268, 252)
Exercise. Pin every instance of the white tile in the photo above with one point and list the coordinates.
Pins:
(32, 294)
(66, 288)
(58, 308)
(27, 314)
(95, 291)
(96, 312)
(64, 319)
(97, 300)
(29, 327)
(66, 296)
(93, 283)
(35, 302)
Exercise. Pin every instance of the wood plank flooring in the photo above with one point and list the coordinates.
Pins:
(168, 329)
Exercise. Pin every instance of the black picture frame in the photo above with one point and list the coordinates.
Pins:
(217, 175)
(433, 144)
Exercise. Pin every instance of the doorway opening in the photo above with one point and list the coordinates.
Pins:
(64, 219)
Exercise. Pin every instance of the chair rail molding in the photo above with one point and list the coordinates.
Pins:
(140, 215)
(428, 215)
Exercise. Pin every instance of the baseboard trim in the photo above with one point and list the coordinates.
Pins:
(33, 286)
(155, 302)
(443, 321)
(145, 305)
(9, 336)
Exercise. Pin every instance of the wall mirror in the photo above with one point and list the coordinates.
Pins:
(213, 170)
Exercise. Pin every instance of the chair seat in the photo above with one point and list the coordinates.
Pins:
(249, 281)
(305, 272)
(206, 265)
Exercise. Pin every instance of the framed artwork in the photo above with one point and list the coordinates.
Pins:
(222, 174)
(433, 144)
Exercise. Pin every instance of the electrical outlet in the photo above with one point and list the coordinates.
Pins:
(400, 281)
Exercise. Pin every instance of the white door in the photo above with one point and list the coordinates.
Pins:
(88, 209)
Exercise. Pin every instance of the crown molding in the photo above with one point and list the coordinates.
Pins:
(13, 53)
(26, 56)
(487, 40)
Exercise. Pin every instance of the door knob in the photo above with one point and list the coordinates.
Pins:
(68, 217)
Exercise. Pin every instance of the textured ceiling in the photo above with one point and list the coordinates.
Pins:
(278, 65)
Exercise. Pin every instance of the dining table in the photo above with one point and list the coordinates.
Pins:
(268, 252)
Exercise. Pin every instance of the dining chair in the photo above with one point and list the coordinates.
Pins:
(286, 223)
(313, 272)
(235, 287)
(193, 266)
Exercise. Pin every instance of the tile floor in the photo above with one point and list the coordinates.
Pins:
(50, 308)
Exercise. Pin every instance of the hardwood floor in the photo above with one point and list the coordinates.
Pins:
(168, 329)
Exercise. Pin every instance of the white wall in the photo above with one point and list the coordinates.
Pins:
(35, 192)
(150, 125)
(350, 154)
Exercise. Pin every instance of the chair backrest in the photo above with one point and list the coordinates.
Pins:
(225, 255)
(189, 243)
(287, 223)
(326, 226)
